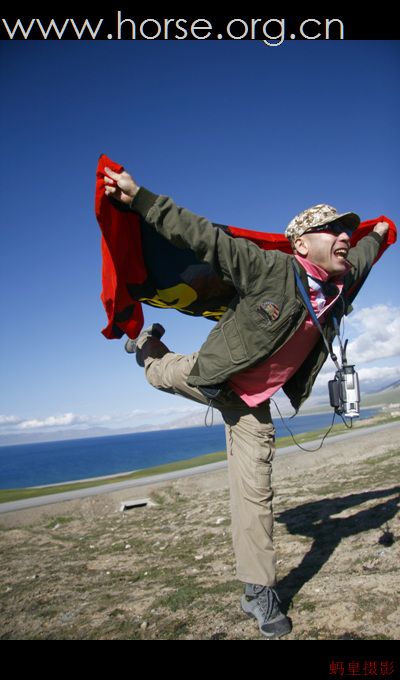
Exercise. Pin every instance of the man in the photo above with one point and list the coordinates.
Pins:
(265, 340)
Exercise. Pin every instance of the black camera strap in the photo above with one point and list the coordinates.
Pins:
(314, 317)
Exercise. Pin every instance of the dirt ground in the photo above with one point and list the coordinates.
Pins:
(85, 570)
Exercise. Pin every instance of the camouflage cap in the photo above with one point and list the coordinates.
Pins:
(317, 216)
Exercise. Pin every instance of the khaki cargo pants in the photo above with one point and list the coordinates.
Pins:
(250, 442)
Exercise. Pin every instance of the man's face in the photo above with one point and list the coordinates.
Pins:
(325, 248)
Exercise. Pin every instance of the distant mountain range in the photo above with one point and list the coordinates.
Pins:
(60, 435)
(392, 386)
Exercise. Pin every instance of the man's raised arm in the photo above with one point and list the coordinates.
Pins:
(235, 260)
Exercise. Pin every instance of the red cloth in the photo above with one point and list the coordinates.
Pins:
(123, 261)
(268, 241)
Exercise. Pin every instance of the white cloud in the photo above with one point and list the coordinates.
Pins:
(18, 424)
(14, 424)
(5, 421)
(379, 334)
(377, 331)
(372, 377)
(63, 420)
(375, 374)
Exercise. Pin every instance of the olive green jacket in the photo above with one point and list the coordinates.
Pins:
(267, 308)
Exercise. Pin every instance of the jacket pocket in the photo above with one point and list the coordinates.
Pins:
(234, 343)
(272, 316)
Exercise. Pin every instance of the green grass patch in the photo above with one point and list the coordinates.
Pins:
(58, 521)
(226, 587)
(308, 606)
(182, 597)
(378, 460)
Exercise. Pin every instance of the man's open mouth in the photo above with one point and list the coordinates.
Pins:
(341, 253)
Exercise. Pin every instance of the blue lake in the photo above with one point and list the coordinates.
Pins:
(60, 461)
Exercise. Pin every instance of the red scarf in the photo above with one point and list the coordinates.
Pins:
(123, 262)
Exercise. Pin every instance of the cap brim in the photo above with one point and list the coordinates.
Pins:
(351, 220)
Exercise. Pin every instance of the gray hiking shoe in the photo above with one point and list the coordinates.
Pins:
(156, 330)
(262, 602)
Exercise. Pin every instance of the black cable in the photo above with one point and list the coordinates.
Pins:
(343, 316)
(210, 406)
(292, 435)
(346, 425)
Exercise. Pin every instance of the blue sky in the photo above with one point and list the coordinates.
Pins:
(243, 133)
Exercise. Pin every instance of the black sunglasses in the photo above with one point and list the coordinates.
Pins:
(335, 228)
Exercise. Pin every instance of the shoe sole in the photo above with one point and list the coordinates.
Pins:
(130, 346)
(156, 331)
(270, 636)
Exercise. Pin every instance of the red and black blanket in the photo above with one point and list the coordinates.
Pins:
(141, 266)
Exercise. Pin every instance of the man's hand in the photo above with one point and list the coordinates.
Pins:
(381, 228)
(120, 186)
